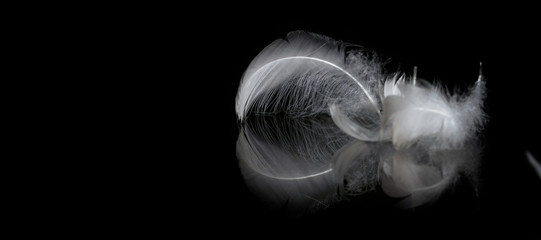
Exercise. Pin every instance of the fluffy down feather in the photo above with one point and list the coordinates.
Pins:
(425, 114)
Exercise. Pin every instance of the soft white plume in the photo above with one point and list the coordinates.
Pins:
(306, 73)
(426, 114)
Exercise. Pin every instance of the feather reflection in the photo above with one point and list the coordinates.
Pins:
(306, 164)
(288, 162)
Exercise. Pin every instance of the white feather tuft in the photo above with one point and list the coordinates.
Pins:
(425, 114)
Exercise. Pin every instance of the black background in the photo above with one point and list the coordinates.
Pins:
(445, 46)
(158, 125)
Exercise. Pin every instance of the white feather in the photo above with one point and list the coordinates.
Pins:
(425, 114)
(304, 74)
